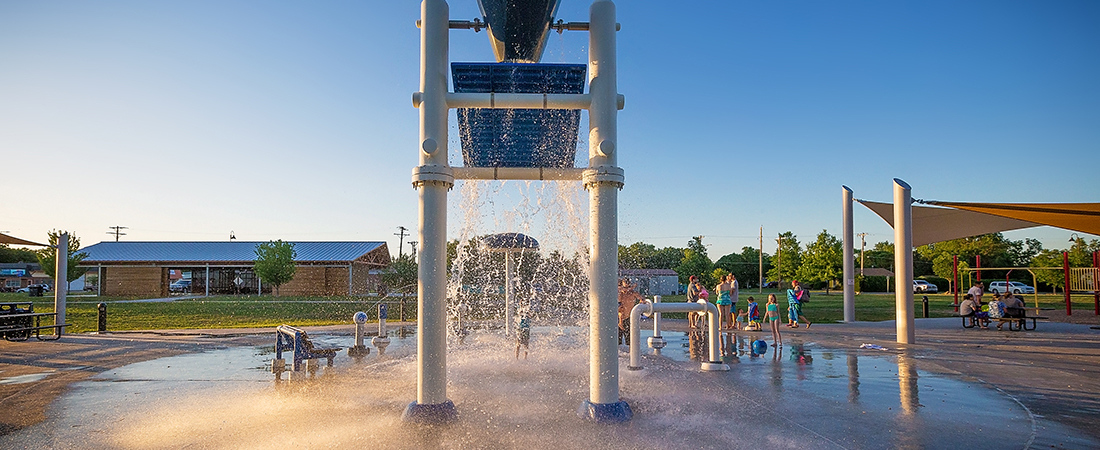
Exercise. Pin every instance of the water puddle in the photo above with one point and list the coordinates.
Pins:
(28, 378)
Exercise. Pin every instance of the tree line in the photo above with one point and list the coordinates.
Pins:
(819, 263)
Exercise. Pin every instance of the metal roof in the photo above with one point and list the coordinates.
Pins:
(243, 251)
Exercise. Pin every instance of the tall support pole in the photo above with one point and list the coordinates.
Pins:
(1095, 282)
(849, 258)
(955, 280)
(903, 260)
(433, 178)
(1066, 288)
(978, 265)
(61, 280)
(603, 179)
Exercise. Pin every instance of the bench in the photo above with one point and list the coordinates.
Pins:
(18, 322)
(297, 341)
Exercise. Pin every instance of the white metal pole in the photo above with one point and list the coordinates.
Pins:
(603, 204)
(849, 259)
(509, 294)
(61, 280)
(432, 182)
(903, 260)
(208, 280)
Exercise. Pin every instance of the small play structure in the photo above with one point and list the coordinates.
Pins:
(509, 244)
(288, 338)
(649, 308)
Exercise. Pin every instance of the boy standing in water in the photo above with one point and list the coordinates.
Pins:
(628, 297)
(523, 336)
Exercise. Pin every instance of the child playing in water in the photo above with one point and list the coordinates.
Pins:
(523, 336)
(772, 314)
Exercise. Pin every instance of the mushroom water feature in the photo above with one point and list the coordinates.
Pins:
(509, 244)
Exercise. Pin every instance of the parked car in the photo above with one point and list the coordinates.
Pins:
(924, 287)
(180, 286)
(1000, 287)
(45, 288)
(771, 284)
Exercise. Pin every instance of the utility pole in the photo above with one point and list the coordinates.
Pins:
(117, 231)
(779, 255)
(413, 244)
(760, 254)
(862, 246)
(401, 241)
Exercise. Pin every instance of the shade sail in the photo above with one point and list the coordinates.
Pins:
(1083, 217)
(931, 225)
(5, 239)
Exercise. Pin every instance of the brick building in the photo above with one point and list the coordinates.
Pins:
(209, 268)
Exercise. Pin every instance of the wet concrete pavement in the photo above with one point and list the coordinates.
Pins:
(1035, 389)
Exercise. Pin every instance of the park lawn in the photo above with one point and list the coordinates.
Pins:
(268, 311)
(219, 312)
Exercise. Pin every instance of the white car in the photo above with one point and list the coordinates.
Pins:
(924, 287)
(1000, 287)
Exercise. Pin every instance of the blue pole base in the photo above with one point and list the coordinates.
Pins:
(618, 412)
(433, 414)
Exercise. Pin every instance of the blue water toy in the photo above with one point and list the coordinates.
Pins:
(759, 347)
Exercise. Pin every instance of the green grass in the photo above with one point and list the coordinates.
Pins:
(266, 311)
(216, 312)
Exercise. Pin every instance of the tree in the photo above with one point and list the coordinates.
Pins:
(745, 265)
(823, 260)
(787, 258)
(275, 263)
(47, 257)
(16, 255)
(402, 273)
(640, 255)
(1080, 255)
(697, 264)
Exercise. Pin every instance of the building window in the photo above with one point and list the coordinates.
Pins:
(13, 283)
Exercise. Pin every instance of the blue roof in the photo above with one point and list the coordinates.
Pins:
(242, 251)
(518, 137)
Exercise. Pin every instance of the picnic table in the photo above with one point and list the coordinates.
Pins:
(1016, 318)
(18, 322)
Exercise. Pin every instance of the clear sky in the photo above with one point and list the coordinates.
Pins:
(293, 120)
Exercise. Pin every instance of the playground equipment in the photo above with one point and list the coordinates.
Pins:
(297, 341)
(648, 308)
(359, 350)
(525, 25)
(656, 342)
(382, 340)
(509, 244)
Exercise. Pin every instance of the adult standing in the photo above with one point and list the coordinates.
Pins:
(735, 289)
(722, 300)
(976, 292)
(693, 293)
(795, 295)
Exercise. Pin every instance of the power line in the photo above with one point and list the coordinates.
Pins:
(117, 231)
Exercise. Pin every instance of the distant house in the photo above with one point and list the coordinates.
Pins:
(20, 275)
(653, 281)
(206, 268)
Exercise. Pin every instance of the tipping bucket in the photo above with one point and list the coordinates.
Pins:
(518, 137)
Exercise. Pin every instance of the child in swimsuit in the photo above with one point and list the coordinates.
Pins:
(773, 318)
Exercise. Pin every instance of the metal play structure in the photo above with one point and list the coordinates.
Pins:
(547, 98)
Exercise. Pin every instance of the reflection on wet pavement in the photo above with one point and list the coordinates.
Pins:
(801, 395)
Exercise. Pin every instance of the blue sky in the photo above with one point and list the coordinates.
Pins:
(291, 120)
